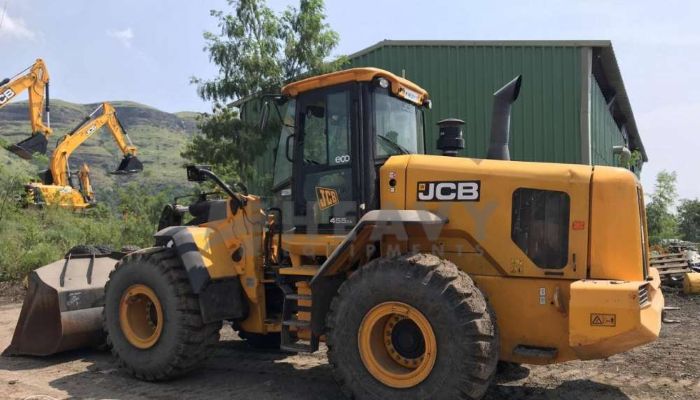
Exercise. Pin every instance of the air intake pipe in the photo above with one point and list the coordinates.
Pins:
(500, 119)
(451, 140)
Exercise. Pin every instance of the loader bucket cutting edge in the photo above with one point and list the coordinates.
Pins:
(26, 148)
(129, 165)
(63, 307)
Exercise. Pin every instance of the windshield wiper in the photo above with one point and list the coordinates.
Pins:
(393, 144)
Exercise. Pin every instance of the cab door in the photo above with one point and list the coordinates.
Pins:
(326, 183)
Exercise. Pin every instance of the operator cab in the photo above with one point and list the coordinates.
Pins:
(338, 129)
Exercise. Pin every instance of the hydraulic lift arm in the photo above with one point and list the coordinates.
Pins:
(58, 164)
(36, 82)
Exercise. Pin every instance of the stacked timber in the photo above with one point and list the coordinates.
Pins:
(671, 267)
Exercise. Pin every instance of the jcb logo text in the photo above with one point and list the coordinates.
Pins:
(449, 191)
(6, 96)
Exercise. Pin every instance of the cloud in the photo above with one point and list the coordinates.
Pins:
(15, 28)
(124, 36)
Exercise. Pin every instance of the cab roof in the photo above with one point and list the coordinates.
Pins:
(399, 86)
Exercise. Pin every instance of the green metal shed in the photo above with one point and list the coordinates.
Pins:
(573, 107)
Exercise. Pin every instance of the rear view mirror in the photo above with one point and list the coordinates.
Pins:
(194, 172)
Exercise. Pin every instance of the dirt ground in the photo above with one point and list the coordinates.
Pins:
(666, 369)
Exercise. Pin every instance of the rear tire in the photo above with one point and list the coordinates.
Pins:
(178, 340)
(452, 345)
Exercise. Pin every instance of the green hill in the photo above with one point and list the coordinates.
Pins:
(159, 136)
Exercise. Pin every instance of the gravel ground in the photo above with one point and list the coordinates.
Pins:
(666, 369)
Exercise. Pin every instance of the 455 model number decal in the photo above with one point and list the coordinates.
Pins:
(449, 191)
(6, 96)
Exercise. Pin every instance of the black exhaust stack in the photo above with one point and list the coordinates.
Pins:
(451, 140)
(500, 119)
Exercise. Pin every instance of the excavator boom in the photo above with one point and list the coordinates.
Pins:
(58, 164)
(56, 186)
(36, 82)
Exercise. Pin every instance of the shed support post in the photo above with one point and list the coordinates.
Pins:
(586, 60)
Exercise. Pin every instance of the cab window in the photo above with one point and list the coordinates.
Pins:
(398, 125)
(327, 131)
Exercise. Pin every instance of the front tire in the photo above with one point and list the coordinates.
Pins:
(412, 326)
(152, 318)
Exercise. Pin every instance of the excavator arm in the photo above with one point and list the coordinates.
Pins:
(36, 82)
(58, 164)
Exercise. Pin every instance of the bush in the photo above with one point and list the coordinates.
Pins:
(31, 237)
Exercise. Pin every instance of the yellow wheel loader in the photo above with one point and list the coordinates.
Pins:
(420, 272)
(58, 186)
(35, 80)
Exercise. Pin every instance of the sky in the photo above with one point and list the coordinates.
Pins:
(147, 51)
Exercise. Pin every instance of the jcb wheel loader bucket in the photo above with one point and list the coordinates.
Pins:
(129, 165)
(63, 307)
(26, 148)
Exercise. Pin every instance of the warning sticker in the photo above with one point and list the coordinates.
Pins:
(603, 320)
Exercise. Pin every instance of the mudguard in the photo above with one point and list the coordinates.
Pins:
(372, 227)
(183, 241)
(210, 270)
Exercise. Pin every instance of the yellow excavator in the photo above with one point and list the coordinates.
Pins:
(58, 186)
(420, 272)
(34, 79)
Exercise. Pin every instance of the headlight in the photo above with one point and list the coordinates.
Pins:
(383, 83)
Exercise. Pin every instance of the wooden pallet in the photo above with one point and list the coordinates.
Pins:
(674, 264)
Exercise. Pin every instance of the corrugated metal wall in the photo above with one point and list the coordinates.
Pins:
(604, 131)
(461, 80)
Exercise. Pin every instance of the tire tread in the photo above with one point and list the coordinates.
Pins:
(464, 299)
(196, 338)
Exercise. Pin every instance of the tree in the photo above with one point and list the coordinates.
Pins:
(661, 222)
(257, 51)
(689, 220)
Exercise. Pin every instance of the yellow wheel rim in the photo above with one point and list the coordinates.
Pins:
(141, 316)
(397, 344)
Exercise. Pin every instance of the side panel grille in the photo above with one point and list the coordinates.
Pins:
(643, 295)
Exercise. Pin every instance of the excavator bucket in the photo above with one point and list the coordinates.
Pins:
(26, 148)
(129, 165)
(63, 307)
